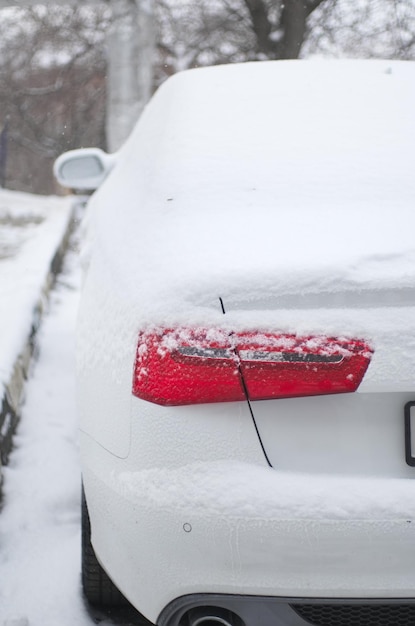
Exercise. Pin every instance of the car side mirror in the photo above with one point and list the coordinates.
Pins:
(84, 169)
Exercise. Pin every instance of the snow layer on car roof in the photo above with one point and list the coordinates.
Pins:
(281, 187)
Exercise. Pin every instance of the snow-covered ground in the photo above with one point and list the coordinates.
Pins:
(40, 518)
(40, 521)
(31, 230)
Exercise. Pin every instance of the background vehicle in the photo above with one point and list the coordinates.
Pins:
(246, 348)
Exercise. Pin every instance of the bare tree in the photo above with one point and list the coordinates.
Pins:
(363, 29)
(53, 61)
(223, 31)
(209, 32)
(52, 88)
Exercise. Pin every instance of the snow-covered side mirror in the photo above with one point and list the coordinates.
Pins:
(84, 169)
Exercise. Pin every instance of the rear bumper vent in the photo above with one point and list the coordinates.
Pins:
(357, 614)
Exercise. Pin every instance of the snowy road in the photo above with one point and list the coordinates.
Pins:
(40, 519)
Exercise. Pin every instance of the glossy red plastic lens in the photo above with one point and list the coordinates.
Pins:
(285, 366)
(176, 367)
(193, 366)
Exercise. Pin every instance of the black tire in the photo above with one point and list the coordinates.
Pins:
(98, 588)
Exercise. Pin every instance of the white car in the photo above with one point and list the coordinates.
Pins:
(246, 349)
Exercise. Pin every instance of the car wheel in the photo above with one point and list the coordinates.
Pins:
(98, 588)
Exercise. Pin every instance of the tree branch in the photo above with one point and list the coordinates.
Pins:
(261, 25)
(293, 22)
(312, 6)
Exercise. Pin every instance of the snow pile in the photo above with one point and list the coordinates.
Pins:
(31, 230)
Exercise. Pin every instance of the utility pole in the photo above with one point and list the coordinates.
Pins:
(131, 46)
(131, 43)
(3, 153)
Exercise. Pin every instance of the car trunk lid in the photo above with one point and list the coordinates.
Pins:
(358, 433)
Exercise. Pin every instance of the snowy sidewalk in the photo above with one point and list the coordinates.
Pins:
(40, 521)
(33, 235)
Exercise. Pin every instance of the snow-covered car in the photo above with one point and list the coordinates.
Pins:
(246, 349)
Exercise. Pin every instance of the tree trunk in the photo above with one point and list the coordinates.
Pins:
(293, 22)
(292, 26)
(261, 24)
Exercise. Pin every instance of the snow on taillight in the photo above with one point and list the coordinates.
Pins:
(175, 367)
(193, 366)
(287, 366)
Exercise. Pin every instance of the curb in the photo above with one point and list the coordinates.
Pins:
(13, 397)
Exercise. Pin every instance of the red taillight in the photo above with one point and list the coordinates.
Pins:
(175, 367)
(286, 366)
(193, 366)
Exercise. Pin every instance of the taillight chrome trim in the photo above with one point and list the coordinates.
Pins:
(288, 357)
(205, 353)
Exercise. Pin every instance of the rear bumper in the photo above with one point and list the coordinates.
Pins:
(158, 546)
(268, 611)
